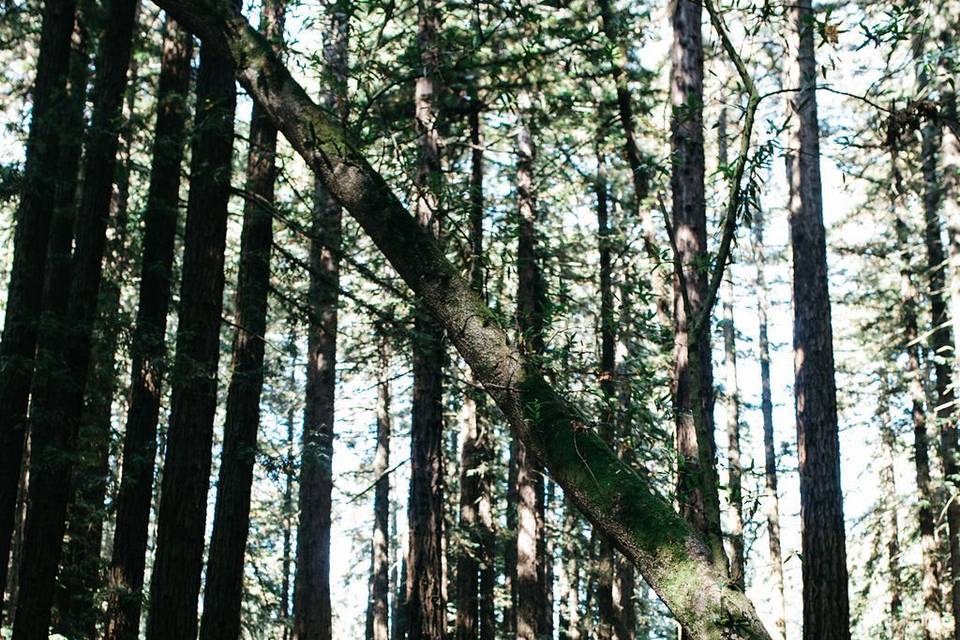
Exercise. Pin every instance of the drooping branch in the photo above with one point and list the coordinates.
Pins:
(643, 525)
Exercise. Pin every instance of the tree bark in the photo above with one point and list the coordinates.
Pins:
(674, 559)
(24, 291)
(826, 609)
(425, 605)
(313, 618)
(148, 349)
(288, 510)
(772, 502)
(64, 343)
(223, 589)
(693, 368)
(175, 582)
(379, 612)
(80, 574)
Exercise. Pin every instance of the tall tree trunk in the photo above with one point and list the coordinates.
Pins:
(378, 606)
(732, 397)
(606, 573)
(148, 348)
(476, 455)
(288, 510)
(425, 605)
(64, 344)
(24, 291)
(80, 574)
(826, 609)
(941, 347)
(697, 493)
(312, 614)
(175, 582)
(772, 501)
(620, 502)
(570, 625)
(223, 589)
(530, 321)
(888, 441)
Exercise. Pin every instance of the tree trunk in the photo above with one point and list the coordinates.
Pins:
(696, 490)
(475, 618)
(732, 397)
(64, 344)
(826, 610)
(223, 589)
(80, 574)
(530, 590)
(175, 582)
(570, 625)
(312, 612)
(24, 291)
(379, 612)
(288, 512)
(674, 559)
(888, 441)
(425, 607)
(148, 350)
(941, 347)
(772, 501)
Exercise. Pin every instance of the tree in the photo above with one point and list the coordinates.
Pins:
(311, 608)
(148, 350)
(826, 609)
(19, 339)
(644, 527)
(175, 582)
(224, 580)
(378, 608)
(425, 600)
(57, 395)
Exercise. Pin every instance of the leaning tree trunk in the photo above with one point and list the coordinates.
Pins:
(425, 605)
(223, 589)
(312, 614)
(175, 582)
(772, 506)
(125, 579)
(64, 343)
(670, 555)
(24, 291)
(826, 610)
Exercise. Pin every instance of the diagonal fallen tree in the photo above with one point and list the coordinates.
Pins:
(672, 558)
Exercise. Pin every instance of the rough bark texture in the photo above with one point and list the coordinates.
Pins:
(19, 340)
(175, 582)
(673, 559)
(64, 342)
(311, 605)
(693, 368)
(379, 613)
(826, 609)
(223, 589)
(148, 349)
(425, 605)
(772, 497)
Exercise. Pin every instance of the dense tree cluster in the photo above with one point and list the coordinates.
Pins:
(420, 320)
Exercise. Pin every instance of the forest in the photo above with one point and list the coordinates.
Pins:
(473, 320)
